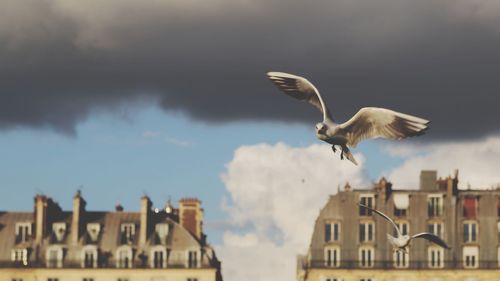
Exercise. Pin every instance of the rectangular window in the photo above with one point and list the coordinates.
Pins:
(192, 259)
(401, 260)
(435, 228)
(127, 233)
(20, 256)
(88, 279)
(366, 256)
(399, 212)
(52, 279)
(332, 231)
(436, 257)
(332, 257)
(158, 259)
(366, 200)
(124, 257)
(470, 232)
(366, 231)
(23, 232)
(471, 257)
(403, 227)
(469, 207)
(332, 279)
(122, 279)
(54, 257)
(192, 279)
(435, 205)
(90, 258)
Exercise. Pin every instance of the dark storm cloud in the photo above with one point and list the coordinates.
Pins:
(62, 60)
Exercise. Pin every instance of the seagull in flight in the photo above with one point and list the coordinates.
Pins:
(400, 242)
(369, 122)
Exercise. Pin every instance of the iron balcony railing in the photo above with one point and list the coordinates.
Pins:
(356, 264)
(109, 263)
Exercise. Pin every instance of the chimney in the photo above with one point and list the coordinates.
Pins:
(40, 217)
(78, 213)
(191, 216)
(145, 220)
(428, 181)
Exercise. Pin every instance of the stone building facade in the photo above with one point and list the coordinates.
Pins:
(349, 243)
(154, 244)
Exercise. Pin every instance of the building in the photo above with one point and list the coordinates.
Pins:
(349, 243)
(154, 244)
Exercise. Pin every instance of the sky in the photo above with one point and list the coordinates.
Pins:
(121, 98)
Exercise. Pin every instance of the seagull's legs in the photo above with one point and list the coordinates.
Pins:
(334, 149)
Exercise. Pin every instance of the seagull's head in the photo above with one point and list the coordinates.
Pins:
(321, 128)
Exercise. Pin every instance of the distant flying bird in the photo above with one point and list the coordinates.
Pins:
(400, 242)
(369, 122)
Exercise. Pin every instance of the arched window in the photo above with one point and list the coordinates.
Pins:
(89, 256)
(332, 256)
(366, 256)
(193, 258)
(435, 257)
(124, 257)
(54, 256)
(158, 257)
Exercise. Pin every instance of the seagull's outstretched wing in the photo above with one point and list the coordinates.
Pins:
(300, 88)
(374, 122)
(432, 238)
(384, 216)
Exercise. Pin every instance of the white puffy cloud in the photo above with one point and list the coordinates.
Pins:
(478, 162)
(276, 192)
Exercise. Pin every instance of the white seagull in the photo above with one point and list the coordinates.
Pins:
(400, 242)
(369, 122)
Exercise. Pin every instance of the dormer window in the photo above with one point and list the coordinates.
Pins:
(192, 259)
(158, 257)
(127, 231)
(23, 232)
(59, 230)
(435, 205)
(124, 257)
(54, 256)
(162, 232)
(367, 200)
(89, 256)
(401, 204)
(93, 230)
(20, 256)
(469, 207)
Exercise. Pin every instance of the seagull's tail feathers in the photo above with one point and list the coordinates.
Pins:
(348, 155)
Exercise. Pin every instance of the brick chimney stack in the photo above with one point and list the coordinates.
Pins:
(428, 181)
(145, 220)
(191, 216)
(40, 217)
(78, 213)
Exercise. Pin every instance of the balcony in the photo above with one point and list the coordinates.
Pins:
(104, 263)
(355, 264)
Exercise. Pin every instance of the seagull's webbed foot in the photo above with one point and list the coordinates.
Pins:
(334, 149)
(342, 155)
